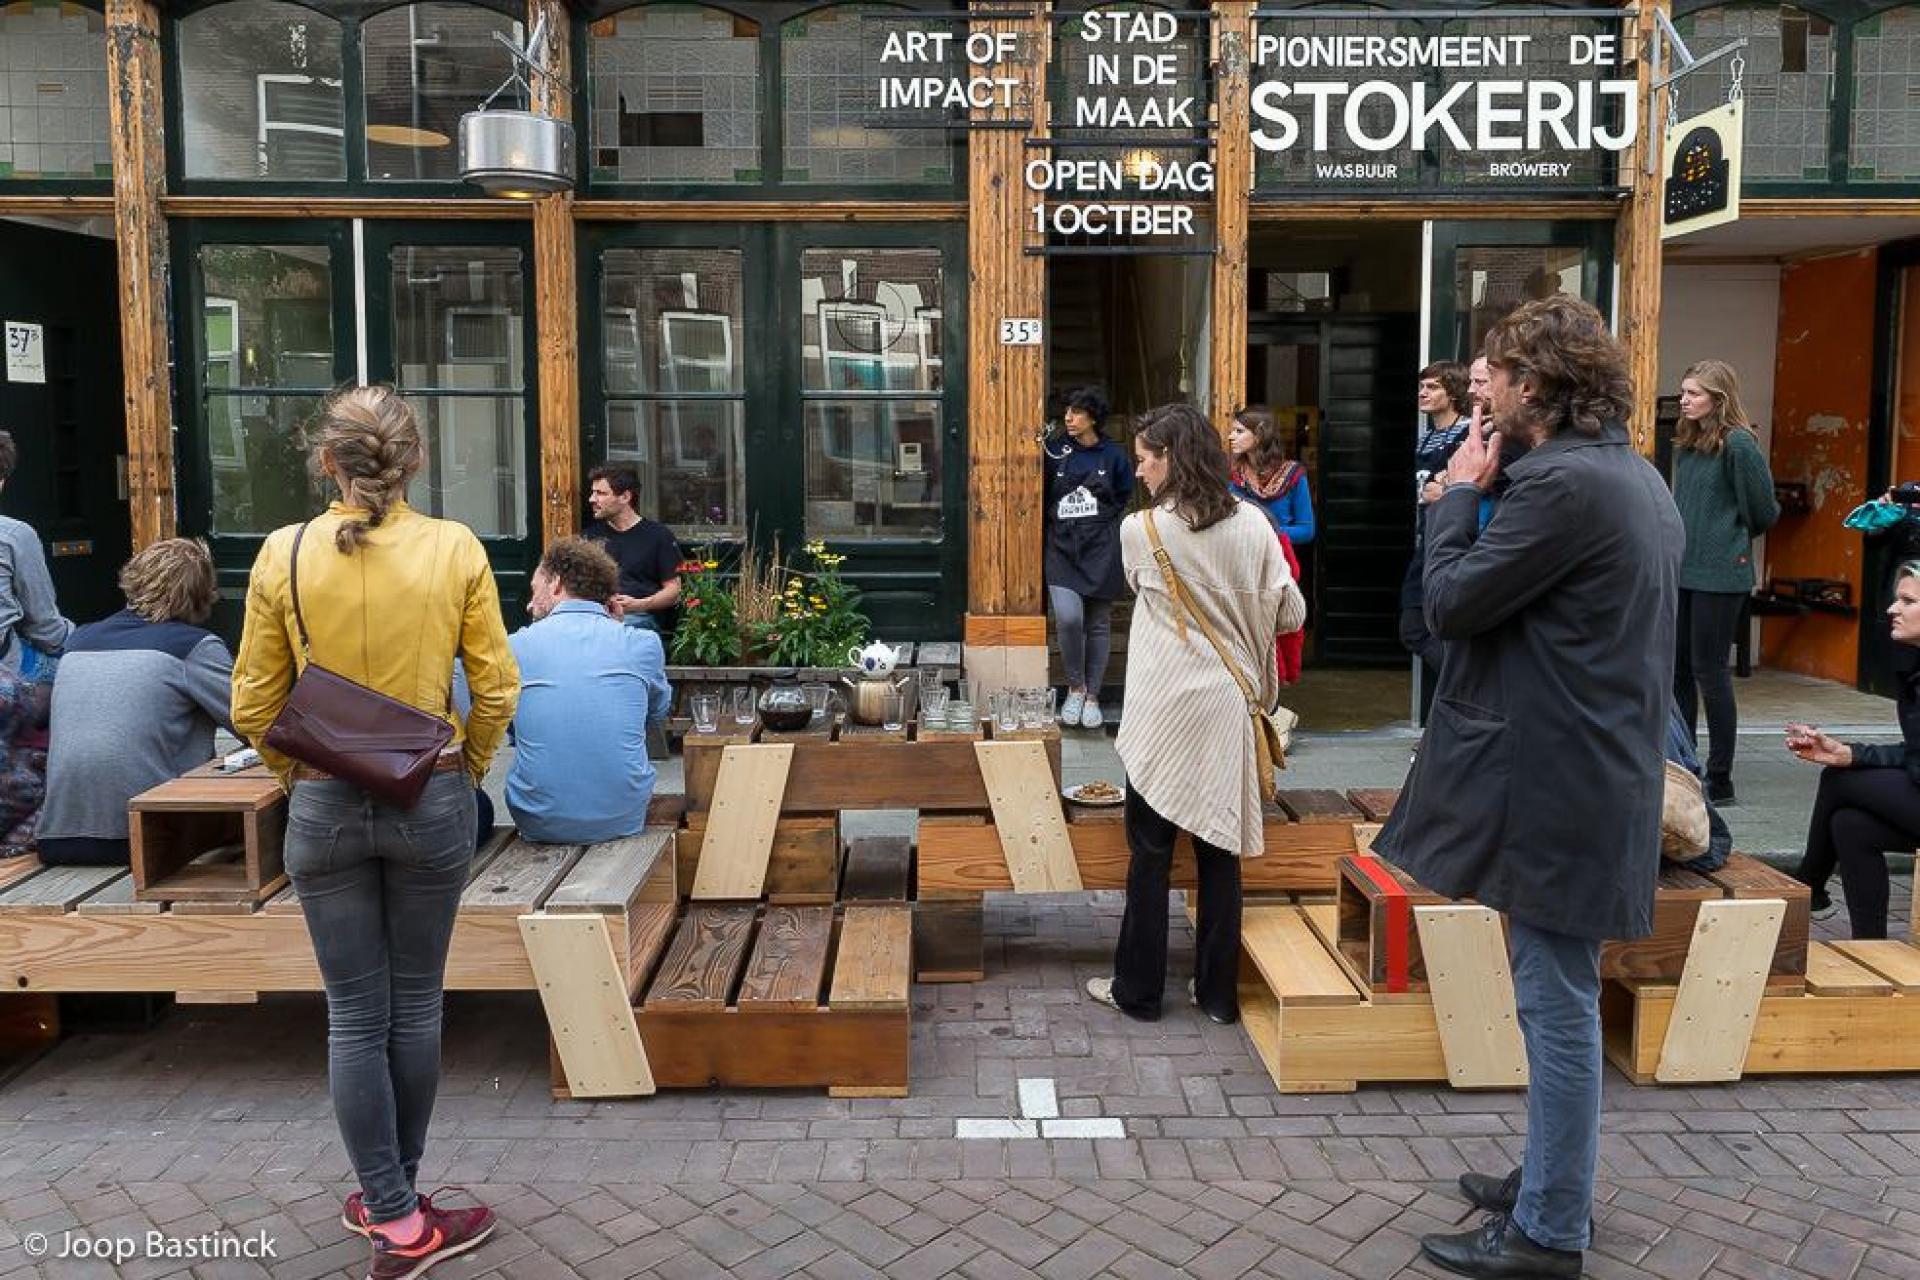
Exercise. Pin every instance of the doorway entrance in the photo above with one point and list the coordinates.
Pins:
(70, 424)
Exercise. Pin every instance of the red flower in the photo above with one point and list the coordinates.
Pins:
(694, 603)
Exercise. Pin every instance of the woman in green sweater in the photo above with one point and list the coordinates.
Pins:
(1725, 495)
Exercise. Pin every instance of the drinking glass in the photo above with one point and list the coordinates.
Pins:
(963, 691)
(960, 716)
(706, 712)
(1006, 710)
(743, 705)
(934, 701)
(930, 681)
(893, 710)
(1034, 713)
(816, 698)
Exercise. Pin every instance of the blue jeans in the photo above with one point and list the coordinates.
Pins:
(645, 621)
(1556, 984)
(379, 887)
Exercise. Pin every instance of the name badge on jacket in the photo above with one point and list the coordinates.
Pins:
(1078, 505)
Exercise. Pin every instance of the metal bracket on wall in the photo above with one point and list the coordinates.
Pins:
(1667, 37)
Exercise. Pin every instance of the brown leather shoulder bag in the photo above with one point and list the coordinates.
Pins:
(354, 733)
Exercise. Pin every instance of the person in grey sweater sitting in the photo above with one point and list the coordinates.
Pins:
(27, 608)
(135, 703)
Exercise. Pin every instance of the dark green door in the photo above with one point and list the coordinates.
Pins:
(70, 430)
(1483, 270)
(791, 382)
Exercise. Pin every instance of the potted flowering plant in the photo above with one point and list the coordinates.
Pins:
(798, 613)
(819, 617)
(709, 630)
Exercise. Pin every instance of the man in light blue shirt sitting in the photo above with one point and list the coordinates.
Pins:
(588, 689)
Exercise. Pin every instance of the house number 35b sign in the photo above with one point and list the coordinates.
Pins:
(1019, 333)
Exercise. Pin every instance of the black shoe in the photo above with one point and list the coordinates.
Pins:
(1498, 1250)
(1720, 791)
(1495, 1195)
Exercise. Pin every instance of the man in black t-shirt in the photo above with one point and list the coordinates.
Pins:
(646, 552)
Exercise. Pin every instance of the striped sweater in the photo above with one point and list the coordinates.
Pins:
(1186, 738)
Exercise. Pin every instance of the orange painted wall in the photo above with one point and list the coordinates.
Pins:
(1822, 399)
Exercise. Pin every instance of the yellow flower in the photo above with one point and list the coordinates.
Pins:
(710, 564)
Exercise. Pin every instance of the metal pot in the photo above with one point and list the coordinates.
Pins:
(867, 697)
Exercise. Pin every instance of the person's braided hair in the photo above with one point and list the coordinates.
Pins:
(373, 441)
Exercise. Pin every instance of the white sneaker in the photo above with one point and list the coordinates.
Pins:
(1090, 717)
(1101, 989)
(1070, 709)
(1193, 997)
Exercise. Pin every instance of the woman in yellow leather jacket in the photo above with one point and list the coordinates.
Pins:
(390, 598)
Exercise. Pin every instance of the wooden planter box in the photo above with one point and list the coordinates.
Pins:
(209, 838)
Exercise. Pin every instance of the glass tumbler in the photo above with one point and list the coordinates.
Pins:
(706, 712)
(743, 705)
(893, 710)
(1006, 710)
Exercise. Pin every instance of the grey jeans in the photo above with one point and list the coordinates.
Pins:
(1084, 629)
(379, 887)
(1556, 985)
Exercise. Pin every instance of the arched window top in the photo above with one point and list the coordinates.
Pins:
(828, 104)
(53, 92)
(1788, 84)
(674, 95)
(1884, 145)
(260, 88)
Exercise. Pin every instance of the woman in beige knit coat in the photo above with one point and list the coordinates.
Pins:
(1186, 738)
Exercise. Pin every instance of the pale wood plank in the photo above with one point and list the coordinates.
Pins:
(1896, 961)
(1831, 973)
(1294, 962)
(1363, 836)
(57, 890)
(211, 907)
(234, 791)
(873, 969)
(116, 899)
(789, 961)
(14, 870)
(1473, 1003)
(216, 997)
(609, 874)
(1720, 990)
(1027, 815)
(740, 828)
(520, 879)
(586, 1003)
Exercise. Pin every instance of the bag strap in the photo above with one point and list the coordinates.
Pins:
(1182, 602)
(293, 586)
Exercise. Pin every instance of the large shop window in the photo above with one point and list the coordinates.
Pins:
(827, 73)
(459, 355)
(266, 92)
(53, 92)
(675, 376)
(1788, 85)
(266, 328)
(426, 66)
(1885, 146)
(261, 93)
(675, 95)
(871, 384)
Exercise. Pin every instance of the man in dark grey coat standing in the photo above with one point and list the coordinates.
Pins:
(1538, 788)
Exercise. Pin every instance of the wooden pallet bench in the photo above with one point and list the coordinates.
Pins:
(1859, 1012)
(768, 996)
(1393, 983)
(568, 921)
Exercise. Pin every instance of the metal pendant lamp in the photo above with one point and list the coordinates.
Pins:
(518, 154)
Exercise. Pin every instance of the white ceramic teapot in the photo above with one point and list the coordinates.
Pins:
(876, 659)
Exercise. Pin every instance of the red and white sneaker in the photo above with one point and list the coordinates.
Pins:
(353, 1214)
(445, 1234)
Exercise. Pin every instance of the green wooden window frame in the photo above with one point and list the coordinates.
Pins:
(771, 179)
(512, 557)
(352, 15)
(914, 587)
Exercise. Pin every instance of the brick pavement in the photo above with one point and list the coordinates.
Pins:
(217, 1119)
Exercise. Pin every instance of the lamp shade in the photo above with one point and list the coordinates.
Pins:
(516, 153)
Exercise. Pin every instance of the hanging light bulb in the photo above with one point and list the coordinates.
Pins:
(518, 154)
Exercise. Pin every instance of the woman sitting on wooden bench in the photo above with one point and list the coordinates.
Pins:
(1869, 797)
(135, 703)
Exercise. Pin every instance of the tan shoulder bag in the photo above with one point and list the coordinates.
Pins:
(1269, 740)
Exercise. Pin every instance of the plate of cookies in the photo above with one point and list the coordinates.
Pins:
(1096, 795)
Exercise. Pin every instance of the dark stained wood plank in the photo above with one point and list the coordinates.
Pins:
(776, 1049)
(789, 962)
(949, 942)
(877, 869)
(704, 959)
(1375, 802)
(1318, 804)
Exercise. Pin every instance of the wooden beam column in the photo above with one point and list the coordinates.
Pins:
(1006, 391)
(137, 119)
(556, 299)
(1637, 240)
(1232, 193)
